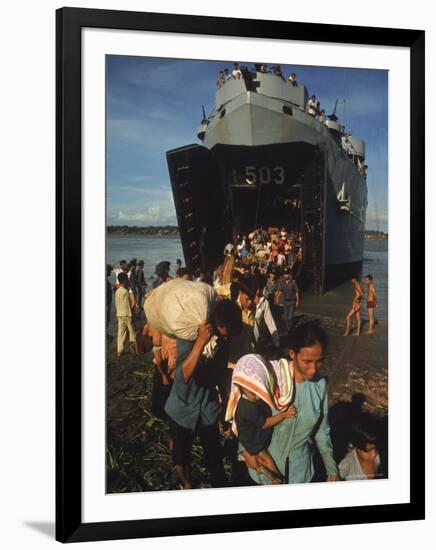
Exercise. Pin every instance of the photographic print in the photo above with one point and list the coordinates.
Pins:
(247, 274)
(238, 194)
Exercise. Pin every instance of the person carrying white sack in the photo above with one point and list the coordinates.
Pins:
(190, 312)
(178, 308)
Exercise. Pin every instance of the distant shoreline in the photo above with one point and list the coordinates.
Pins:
(173, 231)
(165, 230)
(372, 235)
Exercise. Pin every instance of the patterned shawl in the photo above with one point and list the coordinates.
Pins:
(271, 381)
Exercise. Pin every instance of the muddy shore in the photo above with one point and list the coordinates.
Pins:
(138, 457)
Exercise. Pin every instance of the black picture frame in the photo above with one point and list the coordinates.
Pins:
(69, 23)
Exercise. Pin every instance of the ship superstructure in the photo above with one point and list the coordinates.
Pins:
(265, 159)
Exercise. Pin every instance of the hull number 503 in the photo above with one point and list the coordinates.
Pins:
(264, 174)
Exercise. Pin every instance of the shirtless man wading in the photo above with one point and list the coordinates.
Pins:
(355, 308)
(371, 303)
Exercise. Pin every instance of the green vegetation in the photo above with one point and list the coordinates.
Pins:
(138, 457)
(173, 230)
(138, 230)
(375, 235)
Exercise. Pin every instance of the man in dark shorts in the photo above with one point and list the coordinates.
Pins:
(289, 298)
(355, 307)
(193, 405)
(371, 303)
(141, 283)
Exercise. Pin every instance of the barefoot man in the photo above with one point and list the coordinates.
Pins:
(355, 308)
(371, 303)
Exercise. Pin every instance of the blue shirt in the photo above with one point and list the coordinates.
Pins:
(197, 399)
(289, 290)
(290, 446)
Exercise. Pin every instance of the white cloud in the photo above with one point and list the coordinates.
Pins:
(151, 215)
(154, 211)
(137, 216)
(142, 178)
(376, 219)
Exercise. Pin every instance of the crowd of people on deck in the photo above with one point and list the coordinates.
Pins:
(236, 74)
(251, 375)
(312, 107)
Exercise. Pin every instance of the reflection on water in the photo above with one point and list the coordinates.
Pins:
(375, 263)
(338, 301)
(153, 249)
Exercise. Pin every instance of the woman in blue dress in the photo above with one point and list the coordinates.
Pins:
(291, 443)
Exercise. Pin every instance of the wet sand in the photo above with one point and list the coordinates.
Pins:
(353, 364)
(138, 455)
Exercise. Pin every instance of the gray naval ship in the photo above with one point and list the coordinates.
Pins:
(267, 160)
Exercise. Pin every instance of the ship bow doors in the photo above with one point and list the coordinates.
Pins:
(230, 191)
(280, 185)
(199, 205)
(313, 221)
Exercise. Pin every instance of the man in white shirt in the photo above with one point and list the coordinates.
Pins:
(293, 79)
(263, 318)
(281, 260)
(311, 106)
(118, 270)
(228, 249)
(123, 312)
(236, 73)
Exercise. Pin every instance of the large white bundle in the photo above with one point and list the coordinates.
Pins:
(178, 307)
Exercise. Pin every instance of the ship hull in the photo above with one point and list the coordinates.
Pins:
(227, 191)
(253, 119)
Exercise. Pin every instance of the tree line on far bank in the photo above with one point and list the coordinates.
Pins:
(138, 230)
(174, 230)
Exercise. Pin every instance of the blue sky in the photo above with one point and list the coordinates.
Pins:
(154, 105)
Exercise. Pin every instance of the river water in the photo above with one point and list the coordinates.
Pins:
(337, 302)
(153, 249)
(150, 248)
